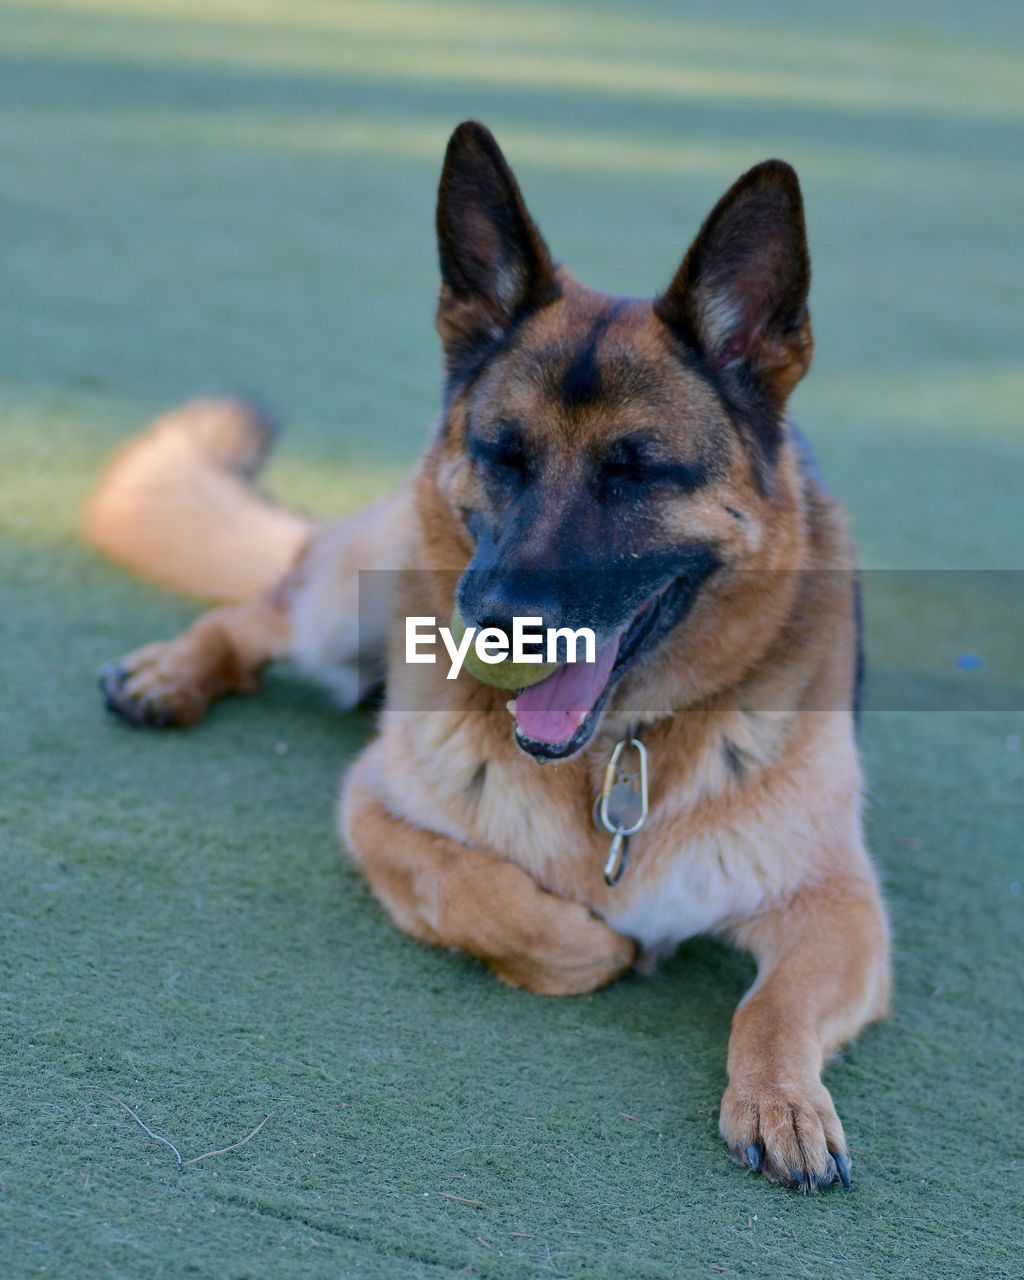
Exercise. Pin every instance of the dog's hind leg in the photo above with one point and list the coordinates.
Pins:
(314, 614)
(178, 504)
(174, 681)
(448, 894)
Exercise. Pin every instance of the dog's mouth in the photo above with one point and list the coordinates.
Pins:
(557, 717)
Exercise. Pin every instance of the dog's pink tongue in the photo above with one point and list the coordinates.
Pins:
(554, 709)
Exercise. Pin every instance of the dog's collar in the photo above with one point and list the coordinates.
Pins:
(621, 807)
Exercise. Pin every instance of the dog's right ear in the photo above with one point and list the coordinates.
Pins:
(494, 262)
(740, 295)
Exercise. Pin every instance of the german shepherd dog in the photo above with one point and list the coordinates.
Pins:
(618, 462)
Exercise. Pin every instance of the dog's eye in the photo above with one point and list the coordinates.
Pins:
(504, 453)
(622, 468)
(627, 467)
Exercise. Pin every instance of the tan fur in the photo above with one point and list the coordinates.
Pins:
(174, 681)
(755, 829)
(177, 505)
(447, 893)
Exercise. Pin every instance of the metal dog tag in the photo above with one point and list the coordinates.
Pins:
(621, 808)
(625, 805)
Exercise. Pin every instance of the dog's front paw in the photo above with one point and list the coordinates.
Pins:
(152, 687)
(789, 1133)
(566, 951)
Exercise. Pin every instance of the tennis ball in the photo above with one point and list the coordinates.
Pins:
(504, 674)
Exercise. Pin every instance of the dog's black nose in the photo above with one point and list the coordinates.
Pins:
(496, 599)
(496, 621)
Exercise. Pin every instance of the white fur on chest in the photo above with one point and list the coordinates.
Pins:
(700, 888)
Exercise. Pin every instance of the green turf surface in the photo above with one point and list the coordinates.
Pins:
(239, 195)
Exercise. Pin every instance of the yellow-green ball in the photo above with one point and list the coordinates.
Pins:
(504, 674)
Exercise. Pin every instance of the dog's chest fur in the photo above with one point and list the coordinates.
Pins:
(718, 845)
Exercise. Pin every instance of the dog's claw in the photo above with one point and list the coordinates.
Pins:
(842, 1168)
(753, 1154)
(134, 711)
(111, 680)
(111, 674)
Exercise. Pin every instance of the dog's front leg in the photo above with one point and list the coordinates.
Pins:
(451, 895)
(823, 972)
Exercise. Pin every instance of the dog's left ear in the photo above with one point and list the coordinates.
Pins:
(740, 295)
(494, 262)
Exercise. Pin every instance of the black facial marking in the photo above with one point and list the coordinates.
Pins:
(581, 383)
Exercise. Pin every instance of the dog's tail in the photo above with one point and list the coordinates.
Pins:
(177, 504)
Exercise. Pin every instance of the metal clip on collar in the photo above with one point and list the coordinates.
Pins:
(622, 805)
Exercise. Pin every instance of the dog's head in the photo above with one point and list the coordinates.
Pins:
(608, 459)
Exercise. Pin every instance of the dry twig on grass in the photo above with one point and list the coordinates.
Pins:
(183, 1164)
(141, 1123)
(222, 1151)
(450, 1195)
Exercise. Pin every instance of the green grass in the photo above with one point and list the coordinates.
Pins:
(227, 194)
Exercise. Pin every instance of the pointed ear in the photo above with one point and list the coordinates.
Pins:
(740, 295)
(494, 262)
